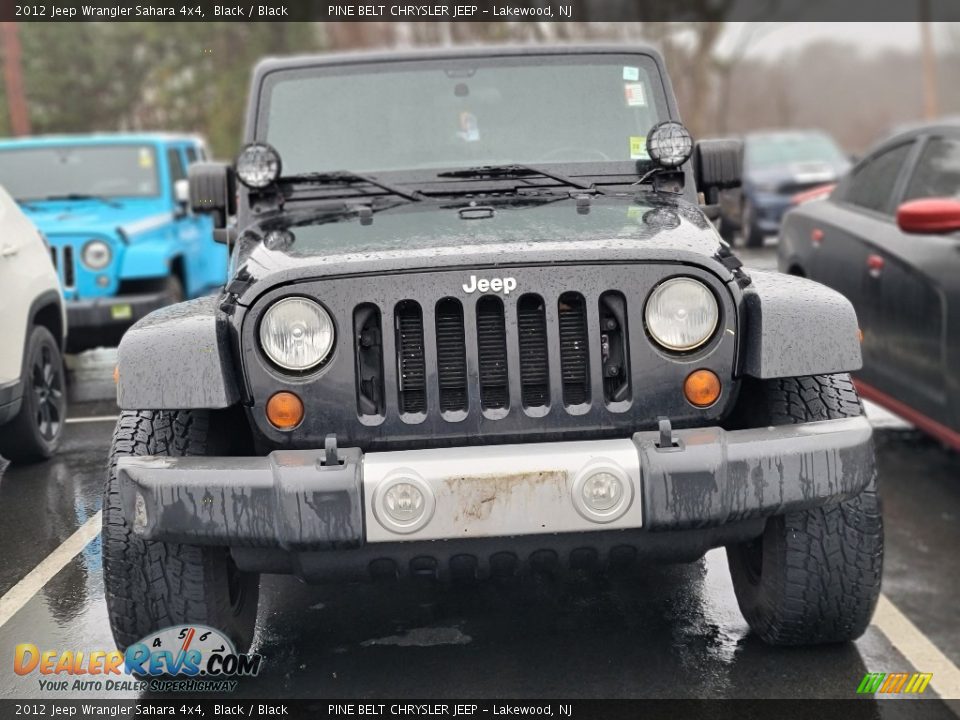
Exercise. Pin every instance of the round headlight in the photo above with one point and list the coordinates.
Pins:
(681, 314)
(669, 144)
(258, 165)
(296, 334)
(96, 254)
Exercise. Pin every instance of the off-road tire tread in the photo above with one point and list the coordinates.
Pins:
(822, 582)
(152, 585)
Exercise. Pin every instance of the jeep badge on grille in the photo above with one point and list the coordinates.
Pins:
(505, 285)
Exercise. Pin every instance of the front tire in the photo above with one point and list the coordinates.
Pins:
(813, 576)
(152, 585)
(35, 433)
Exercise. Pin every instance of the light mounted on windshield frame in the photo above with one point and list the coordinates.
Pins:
(669, 144)
(258, 166)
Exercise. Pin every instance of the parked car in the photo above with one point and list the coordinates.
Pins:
(888, 238)
(33, 396)
(776, 166)
(114, 210)
(476, 323)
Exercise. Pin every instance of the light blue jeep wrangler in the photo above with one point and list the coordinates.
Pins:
(114, 209)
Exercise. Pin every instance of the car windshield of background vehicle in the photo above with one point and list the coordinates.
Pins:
(791, 148)
(462, 113)
(938, 172)
(104, 170)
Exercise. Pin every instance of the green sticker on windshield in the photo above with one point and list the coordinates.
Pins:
(638, 147)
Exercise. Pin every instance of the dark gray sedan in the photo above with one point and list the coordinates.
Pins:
(888, 237)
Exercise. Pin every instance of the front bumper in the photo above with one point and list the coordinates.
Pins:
(294, 500)
(103, 321)
(119, 311)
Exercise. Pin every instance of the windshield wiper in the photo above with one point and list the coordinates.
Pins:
(519, 172)
(348, 177)
(83, 196)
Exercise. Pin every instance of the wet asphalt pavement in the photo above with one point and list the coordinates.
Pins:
(660, 632)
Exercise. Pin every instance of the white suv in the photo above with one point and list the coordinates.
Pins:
(33, 392)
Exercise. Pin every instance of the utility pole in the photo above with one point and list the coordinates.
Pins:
(931, 104)
(13, 78)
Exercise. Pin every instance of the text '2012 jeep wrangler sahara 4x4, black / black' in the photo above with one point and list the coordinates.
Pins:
(478, 320)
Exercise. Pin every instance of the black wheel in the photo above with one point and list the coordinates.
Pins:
(173, 289)
(752, 236)
(813, 576)
(34, 434)
(153, 585)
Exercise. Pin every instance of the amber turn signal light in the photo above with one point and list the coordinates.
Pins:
(284, 410)
(701, 388)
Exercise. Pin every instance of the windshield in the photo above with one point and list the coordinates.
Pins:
(101, 170)
(790, 148)
(463, 112)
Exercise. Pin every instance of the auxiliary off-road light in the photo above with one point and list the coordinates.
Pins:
(296, 333)
(284, 410)
(403, 502)
(681, 314)
(669, 144)
(602, 492)
(96, 254)
(701, 388)
(258, 165)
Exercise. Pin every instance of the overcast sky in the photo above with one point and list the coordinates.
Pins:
(772, 39)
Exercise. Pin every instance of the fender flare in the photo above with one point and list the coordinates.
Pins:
(797, 327)
(178, 358)
(148, 258)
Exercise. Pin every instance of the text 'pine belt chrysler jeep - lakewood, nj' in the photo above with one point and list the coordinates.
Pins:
(477, 321)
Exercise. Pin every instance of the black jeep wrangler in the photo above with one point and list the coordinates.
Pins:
(477, 321)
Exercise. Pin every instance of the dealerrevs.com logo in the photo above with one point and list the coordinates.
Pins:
(182, 658)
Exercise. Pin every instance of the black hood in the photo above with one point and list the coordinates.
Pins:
(433, 235)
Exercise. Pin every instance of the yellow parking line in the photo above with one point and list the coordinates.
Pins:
(95, 418)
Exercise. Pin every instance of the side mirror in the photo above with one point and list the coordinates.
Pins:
(930, 216)
(213, 191)
(717, 165)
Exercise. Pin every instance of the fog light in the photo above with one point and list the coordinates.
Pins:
(602, 491)
(103, 280)
(284, 410)
(403, 503)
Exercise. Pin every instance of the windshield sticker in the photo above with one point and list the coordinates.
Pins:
(636, 94)
(469, 130)
(638, 147)
(631, 73)
(146, 158)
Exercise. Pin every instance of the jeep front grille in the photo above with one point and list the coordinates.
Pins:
(534, 356)
(451, 356)
(411, 369)
(574, 353)
(492, 353)
(62, 258)
(446, 363)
